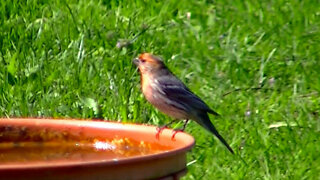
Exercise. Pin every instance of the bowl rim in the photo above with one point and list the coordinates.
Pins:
(101, 124)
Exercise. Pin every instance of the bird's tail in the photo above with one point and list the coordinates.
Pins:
(213, 112)
(206, 123)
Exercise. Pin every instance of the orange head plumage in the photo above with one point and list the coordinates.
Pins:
(148, 63)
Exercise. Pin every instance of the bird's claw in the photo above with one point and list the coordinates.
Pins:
(175, 131)
(159, 131)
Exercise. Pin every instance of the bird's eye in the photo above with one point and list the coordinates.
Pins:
(142, 60)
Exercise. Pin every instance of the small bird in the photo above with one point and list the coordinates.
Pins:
(169, 95)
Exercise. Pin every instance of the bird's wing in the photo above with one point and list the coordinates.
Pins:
(180, 95)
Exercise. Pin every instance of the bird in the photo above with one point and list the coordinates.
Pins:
(170, 96)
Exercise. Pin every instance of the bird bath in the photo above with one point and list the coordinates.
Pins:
(32, 148)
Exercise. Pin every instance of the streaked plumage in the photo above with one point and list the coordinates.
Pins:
(168, 94)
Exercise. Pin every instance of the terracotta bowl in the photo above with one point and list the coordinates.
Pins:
(132, 145)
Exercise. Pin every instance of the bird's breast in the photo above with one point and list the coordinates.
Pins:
(148, 88)
(146, 82)
(153, 93)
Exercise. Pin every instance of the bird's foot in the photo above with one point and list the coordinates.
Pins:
(159, 130)
(179, 130)
(175, 131)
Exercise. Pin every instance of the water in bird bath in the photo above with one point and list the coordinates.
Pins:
(34, 145)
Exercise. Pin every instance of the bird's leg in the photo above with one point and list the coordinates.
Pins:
(180, 130)
(161, 128)
(166, 125)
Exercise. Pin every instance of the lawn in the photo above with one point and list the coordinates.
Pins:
(256, 63)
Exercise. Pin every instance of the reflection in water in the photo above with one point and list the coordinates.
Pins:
(20, 144)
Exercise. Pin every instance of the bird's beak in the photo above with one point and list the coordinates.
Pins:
(136, 61)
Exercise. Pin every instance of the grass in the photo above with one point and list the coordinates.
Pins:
(72, 59)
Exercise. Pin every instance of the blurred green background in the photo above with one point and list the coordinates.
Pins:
(72, 59)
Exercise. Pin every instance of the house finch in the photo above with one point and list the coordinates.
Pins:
(169, 95)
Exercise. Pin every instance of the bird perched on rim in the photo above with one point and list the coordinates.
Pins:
(169, 95)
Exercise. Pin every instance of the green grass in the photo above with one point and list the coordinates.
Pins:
(60, 59)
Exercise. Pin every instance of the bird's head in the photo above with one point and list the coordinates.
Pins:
(147, 62)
